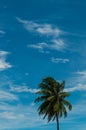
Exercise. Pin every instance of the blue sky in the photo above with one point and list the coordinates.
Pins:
(40, 38)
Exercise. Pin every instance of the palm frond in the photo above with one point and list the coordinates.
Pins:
(64, 110)
(67, 104)
(64, 94)
(41, 98)
(62, 85)
(44, 92)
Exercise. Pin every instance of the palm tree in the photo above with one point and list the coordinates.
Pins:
(53, 98)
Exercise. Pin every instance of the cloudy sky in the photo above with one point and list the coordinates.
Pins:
(40, 38)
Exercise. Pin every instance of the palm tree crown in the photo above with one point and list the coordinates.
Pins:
(53, 98)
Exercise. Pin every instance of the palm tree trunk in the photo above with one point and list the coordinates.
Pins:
(57, 121)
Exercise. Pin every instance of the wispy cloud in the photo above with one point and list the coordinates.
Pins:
(7, 96)
(78, 80)
(39, 46)
(82, 73)
(22, 21)
(77, 84)
(9, 90)
(21, 89)
(49, 30)
(56, 44)
(3, 64)
(78, 87)
(52, 32)
(80, 77)
(11, 115)
(43, 29)
(19, 116)
(59, 60)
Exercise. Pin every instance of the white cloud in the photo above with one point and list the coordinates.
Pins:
(20, 116)
(22, 21)
(56, 44)
(3, 53)
(50, 31)
(82, 73)
(79, 87)
(80, 77)
(33, 90)
(7, 96)
(21, 88)
(43, 29)
(78, 80)
(39, 46)
(3, 64)
(11, 115)
(17, 114)
(59, 60)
